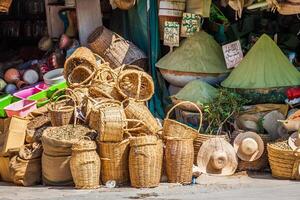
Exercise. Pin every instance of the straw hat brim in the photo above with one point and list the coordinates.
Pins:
(237, 146)
(292, 141)
(206, 151)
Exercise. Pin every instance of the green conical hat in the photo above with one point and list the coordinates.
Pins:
(199, 53)
(265, 66)
(197, 91)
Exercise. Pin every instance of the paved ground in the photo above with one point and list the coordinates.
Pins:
(253, 187)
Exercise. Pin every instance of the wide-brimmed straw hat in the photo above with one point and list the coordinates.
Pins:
(216, 156)
(248, 146)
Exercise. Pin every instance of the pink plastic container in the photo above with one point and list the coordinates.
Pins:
(21, 108)
(24, 94)
(41, 86)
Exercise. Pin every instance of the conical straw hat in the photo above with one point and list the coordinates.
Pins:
(249, 146)
(294, 141)
(216, 156)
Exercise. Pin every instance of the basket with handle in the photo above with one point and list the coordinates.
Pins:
(5, 5)
(137, 110)
(284, 162)
(85, 164)
(115, 49)
(145, 161)
(80, 75)
(61, 113)
(118, 70)
(179, 160)
(135, 84)
(93, 119)
(173, 128)
(82, 56)
(114, 161)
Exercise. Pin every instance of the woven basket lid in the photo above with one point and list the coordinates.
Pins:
(216, 156)
(294, 141)
(261, 69)
(249, 146)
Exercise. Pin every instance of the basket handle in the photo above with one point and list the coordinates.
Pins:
(105, 159)
(187, 102)
(139, 85)
(62, 90)
(83, 82)
(138, 126)
(100, 71)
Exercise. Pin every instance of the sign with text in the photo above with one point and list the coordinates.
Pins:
(233, 54)
(171, 34)
(190, 24)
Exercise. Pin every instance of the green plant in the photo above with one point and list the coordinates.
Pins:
(225, 106)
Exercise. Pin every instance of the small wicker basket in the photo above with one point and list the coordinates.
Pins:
(85, 164)
(145, 161)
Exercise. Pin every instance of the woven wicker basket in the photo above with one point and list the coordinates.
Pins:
(82, 56)
(145, 161)
(61, 113)
(135, 110)
(85, 164)
(135, 84)
(118, 70)
(5, 5)
(172, 128)
(93, 119)
(80, 75)
(284, 162)
(115, 49)
(114, 161)
(179, 160)
(259, 164)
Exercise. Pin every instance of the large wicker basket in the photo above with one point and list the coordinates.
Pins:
(114, 161)
(259, 164)
(85, 164)
(115, 49)
(284, 162)
(145, 161)
(179, 160)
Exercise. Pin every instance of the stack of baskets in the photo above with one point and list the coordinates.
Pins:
(179, 147)
(284, 162)
(57, 143)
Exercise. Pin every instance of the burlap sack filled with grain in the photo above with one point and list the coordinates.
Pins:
(25, 168)
(201, 7)
(36, 127)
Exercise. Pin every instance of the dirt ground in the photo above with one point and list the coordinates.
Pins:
(240, 186)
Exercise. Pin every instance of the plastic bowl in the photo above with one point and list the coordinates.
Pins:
(54, 76)
(21, 108)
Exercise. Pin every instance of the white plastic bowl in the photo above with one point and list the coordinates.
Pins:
(55, 76)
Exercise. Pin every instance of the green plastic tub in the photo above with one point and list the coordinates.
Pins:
(6, 100)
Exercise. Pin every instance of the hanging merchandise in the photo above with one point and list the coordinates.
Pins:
(196, 91)
(5, 5)
(198, 57)
(217, 157)
(201, 7)
(263, 76)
